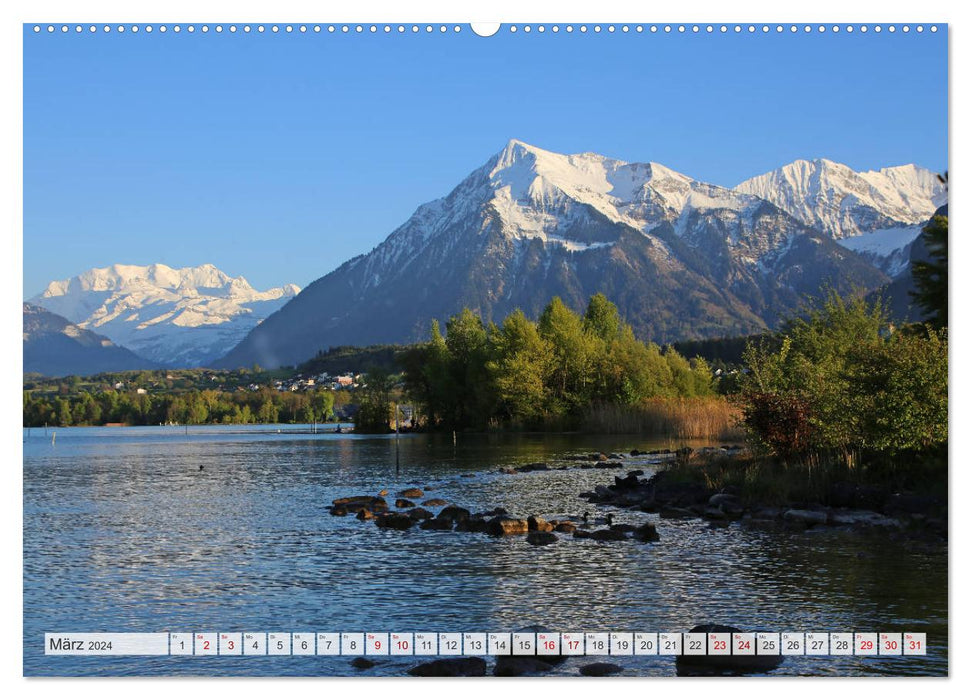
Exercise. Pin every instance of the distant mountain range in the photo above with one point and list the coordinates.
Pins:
(56, 347)
(680, 257)
(184, 317)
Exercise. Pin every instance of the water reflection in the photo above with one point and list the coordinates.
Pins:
(123, 532)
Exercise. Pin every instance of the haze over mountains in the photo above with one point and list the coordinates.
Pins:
(680, 257)
(184, 317)
(56, 347)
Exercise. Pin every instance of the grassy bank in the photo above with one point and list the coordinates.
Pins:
(764, 480)
(703, 418)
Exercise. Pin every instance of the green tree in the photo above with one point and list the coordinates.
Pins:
(519, 368)
(930, 276)
(374, 410)
(575, 355)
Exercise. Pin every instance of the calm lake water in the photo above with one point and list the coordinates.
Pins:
(124, 533)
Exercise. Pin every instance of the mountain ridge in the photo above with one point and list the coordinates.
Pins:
(172, 316)
(54, 346)
(681, 258)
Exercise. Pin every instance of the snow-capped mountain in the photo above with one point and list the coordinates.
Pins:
(681, 258)
(56, 347)
(178, 317)
(874, 212)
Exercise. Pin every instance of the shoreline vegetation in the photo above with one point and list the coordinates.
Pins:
(839, 399)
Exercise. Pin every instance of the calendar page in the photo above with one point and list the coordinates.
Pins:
(535, 349)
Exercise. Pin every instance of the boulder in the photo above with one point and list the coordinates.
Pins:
(450, 668)
(353, 504)
(394, 521)
(383, 492)
(866, 518)
(646, 533)
(434, 502)
(494, 512)
(538, 524)
(628, 483)
(337, 510)
(910, 504)
(501, 525)
(607, 536)
(720, 499)
(521, 666)
(361, 501)
(362, 664)
(534, 467)
(472, 525)
(669, 512)
(805, 517)
(714, 513)
(411, 493)
(365, 514)
(539, 539)
(420, 514)
(454, 513)
(600, 668)
(403, 503)
(437, 524)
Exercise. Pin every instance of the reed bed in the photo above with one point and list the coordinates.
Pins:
(710, 417)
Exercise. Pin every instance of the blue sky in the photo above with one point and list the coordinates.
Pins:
(278, 157)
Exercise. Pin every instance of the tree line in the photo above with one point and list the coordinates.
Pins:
(522, 373)
(189, 408)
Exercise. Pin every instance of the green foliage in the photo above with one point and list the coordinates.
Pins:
(930, 276)
(192, 407)
(374, 412)
(519, 367)
(545, 373)
(842, 379)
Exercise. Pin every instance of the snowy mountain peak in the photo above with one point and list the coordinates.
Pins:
(179, 316)
(841, 202)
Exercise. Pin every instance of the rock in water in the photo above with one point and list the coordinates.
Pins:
(646, 533)
(538, 524)
(403, 503)
(501, 525)
(450, 668)
(395, 521)
(541, 538)
(521, 666)
(807, 517)
(437, 524)
(411, 493)
(454, 513)
(434, 502)
(600, 668)
(362, 664)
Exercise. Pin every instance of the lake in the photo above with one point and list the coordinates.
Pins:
(124, 533)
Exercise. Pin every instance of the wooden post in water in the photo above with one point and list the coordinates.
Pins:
(397, 446)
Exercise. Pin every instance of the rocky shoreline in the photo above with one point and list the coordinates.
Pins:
(848, 506)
